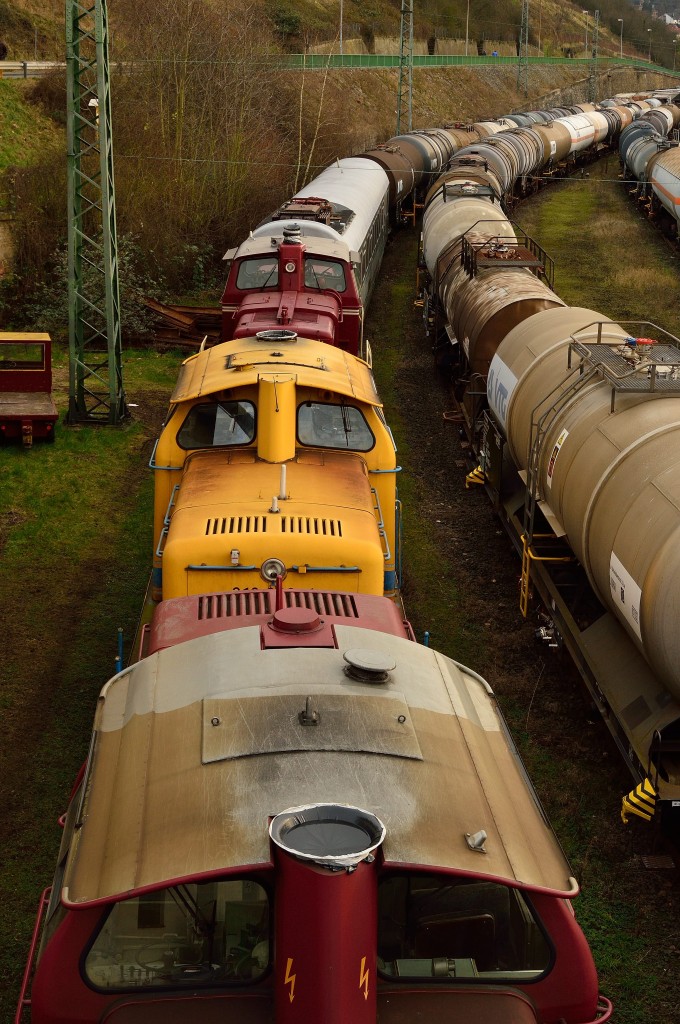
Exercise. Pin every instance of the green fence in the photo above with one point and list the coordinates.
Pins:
(321, 61)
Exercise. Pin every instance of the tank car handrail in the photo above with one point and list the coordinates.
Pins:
(551, 405)
(24, 1001)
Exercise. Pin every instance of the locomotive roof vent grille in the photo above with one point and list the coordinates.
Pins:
(262, 602)
(236, 524)
(309, 524)
(258, 524)
(243, 602)
(339, 605)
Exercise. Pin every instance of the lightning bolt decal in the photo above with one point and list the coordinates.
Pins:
(363, 976)
(290, 979)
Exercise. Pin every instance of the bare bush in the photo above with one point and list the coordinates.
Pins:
(200, 142)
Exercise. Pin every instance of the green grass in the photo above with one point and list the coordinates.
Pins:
(608, 256)
(75, 543)
(430, 592)
(25, 130)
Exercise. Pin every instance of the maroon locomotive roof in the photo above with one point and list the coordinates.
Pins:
(304, 618)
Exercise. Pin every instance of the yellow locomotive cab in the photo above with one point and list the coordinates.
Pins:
(265, 470)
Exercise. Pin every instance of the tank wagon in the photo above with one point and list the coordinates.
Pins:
(573, 419)
(650, 153)
(292, 812)
(275, 460)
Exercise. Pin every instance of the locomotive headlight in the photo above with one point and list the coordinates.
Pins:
(272, 568)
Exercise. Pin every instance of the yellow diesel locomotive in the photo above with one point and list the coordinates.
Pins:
(275, 461)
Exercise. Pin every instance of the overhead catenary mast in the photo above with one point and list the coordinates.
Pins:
(405, 103)
(592, 77)
(523, 51)
(96, 392)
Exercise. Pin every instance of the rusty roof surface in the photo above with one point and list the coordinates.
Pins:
(198, 745)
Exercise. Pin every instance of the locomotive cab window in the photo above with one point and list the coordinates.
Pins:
(259, 272)
(320, 273)
(446, 928)
(214, 424)
(321, 425)
(192, 935)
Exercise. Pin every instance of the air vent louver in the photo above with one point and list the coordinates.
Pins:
(262, 602)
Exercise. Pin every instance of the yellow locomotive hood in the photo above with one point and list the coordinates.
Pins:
(233, 527)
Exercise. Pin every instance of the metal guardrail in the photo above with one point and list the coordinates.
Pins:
(29, 68)
(370, 61)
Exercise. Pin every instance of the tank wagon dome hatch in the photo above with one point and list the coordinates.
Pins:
(330, 835)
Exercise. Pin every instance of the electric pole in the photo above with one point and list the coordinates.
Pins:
(523, 51)
(405, 67)
(96, 392)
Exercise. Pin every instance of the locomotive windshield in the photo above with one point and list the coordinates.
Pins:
(333, 426)
(206, 933)
(258, 272)
(212, 424)
(441, 927)
(321, 273)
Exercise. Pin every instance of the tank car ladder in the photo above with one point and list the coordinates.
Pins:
(542, 418)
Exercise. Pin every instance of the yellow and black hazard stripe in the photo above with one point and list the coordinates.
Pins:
(475, 477)
(640, 801)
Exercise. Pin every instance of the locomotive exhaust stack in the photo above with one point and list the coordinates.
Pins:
(326, 913)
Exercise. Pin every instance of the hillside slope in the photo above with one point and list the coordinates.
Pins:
(35, 28)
